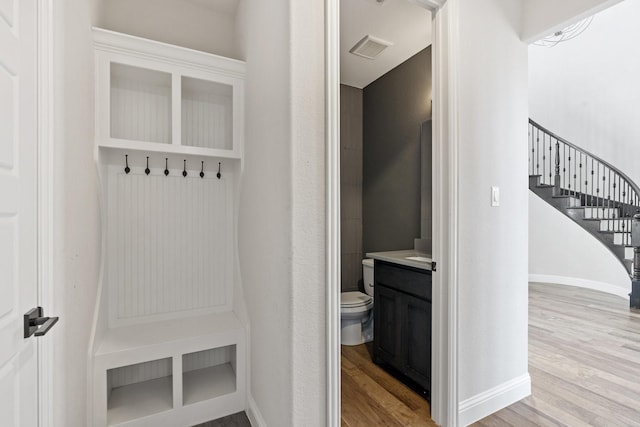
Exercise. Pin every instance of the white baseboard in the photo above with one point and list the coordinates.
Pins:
(581, 283)
(253, 413)
(492, 400)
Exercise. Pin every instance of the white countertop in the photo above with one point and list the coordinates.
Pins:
(401, 257)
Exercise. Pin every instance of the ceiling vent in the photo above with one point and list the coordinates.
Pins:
(370, 47)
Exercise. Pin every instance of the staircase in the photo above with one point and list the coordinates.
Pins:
(594, 194)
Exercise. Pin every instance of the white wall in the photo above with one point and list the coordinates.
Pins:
(308, 225)
(585, 90)
(543, 17)
(188, 23)
(281, 224)
(491, 103)
(264, 232)
(75, 212)
(562, 252)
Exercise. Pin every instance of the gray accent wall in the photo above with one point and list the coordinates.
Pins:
(394, 107)
(351, 186)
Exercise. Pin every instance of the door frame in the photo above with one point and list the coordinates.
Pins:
(444, 364)
(45, 143)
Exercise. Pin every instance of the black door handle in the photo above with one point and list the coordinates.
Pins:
(36, 323)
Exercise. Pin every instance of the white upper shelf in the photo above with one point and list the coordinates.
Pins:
(156, 97)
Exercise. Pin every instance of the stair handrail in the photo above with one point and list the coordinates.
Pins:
(629, 181)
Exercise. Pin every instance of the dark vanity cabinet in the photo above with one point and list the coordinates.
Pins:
(402, 320)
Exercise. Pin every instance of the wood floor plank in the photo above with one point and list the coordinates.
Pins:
(372, 397)
(584, 361)
(378, 394)
(360, 356)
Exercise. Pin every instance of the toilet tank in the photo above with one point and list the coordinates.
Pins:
(367, 275)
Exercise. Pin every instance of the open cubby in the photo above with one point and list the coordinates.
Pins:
(208, 374)
(139, 390)
(140, 104)
(207, 114)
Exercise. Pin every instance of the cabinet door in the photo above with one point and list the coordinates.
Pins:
(387, 326)
(417, 340)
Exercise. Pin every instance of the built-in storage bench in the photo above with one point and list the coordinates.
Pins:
(168, 345)
(170, 373)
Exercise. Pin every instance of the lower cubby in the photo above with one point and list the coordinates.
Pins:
(208, 374)
(139, 390)
(177, 373)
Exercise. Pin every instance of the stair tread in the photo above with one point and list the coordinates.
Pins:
(567, 197)
(544, 185)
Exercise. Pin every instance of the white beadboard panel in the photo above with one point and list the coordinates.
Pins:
(138, 373)
(207, 114)
(170, 245)
(140, 104)
(208, 358)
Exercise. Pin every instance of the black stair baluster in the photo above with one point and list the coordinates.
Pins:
(538, 155)
(623, 220)
(575, 189)
(619, 200)
(568, 164)
(580, 176)
(544, 157)
(592, 172)
(609, 223)
(564, 166)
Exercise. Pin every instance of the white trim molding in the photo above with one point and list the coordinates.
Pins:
(45, 196)
(444, 404)
(332, 123)
(253, 413)
(580, 283)
(494, 399)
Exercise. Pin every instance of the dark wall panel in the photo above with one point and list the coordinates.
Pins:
(394, 106)
(351, 186)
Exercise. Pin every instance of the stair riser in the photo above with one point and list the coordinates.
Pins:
(620, 225)
(628, 253)
(620, 238)
(601, 213)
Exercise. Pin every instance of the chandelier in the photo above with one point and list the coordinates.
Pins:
(566, 34)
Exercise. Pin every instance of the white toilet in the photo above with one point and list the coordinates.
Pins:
(356, 310)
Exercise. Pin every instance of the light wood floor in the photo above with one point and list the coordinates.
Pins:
(584, 361)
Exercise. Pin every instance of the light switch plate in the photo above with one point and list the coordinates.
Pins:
(495, 196)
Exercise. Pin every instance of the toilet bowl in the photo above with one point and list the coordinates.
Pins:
(356, 310)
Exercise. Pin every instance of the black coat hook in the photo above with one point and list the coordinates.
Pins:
(166, 166)
(202, 170)
(219, 175)
(126, 163)
(184, 171)
(147, 170)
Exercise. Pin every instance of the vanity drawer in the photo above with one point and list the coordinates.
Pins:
(410, 280)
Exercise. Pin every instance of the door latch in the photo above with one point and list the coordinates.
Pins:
(36, 323)
(433, 266)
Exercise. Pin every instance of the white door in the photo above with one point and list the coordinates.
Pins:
(18, 219)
